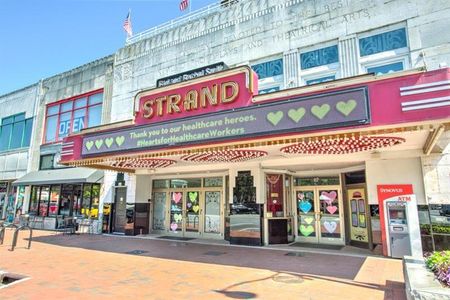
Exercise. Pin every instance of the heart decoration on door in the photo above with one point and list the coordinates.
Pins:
(301, 196)
(308, 220)
(304, 206)
(306, 230)
(330, 226)
(332, 209)
(328, 197)
(177, 217)
(173, 226)
(193, 196)
(189, 205)
(195, 208)
(176, 197)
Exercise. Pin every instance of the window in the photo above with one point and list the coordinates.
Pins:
(320, 80)
(270, 75)
(319, 57)
(386, 69)
(66, 199)
(382, 42)
(319, 65)
(15, 132)
(385, 52)
(47, 162)
(70, 116)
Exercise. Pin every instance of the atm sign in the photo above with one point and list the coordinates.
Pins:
(402, 192)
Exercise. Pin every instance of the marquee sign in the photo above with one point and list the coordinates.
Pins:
(217, 92)
(344, 108)
(203, 71)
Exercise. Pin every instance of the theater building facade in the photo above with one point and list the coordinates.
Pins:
(267, 122)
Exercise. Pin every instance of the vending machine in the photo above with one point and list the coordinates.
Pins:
(399, 221)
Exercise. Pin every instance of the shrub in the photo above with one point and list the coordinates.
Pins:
(439, 263)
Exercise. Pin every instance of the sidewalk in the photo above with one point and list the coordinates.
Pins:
(98, 267)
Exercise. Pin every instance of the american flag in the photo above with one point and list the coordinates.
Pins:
(127, 25)
(184, 4)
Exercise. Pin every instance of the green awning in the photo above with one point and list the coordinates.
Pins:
(61, 176)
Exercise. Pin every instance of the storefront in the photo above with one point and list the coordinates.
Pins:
(212, 159)
(59, 194)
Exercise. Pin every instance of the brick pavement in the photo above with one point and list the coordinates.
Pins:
(97, 267)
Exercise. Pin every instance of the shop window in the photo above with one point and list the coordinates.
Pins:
(44, 201)
(434, 222)
(47, 162)
(312, 181)
(213, 182)
(319, 65)
(274, 195)
(95, 200)
(385, 52)
(86, 202)
(186, 183)
(72, 115)
(54, 200)
(270, 75)
(15, 132)
(76, 204)
(161, 184)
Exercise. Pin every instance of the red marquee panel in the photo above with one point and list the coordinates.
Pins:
(143, 163)
(225, 156)
(342, 145)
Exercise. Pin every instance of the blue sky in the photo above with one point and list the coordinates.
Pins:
(42, 38)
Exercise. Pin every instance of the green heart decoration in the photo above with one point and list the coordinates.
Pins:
(306, 230)
(320, 111)
(89, 145)
(109, 142)
(98, 144)
(120, 140)
(177, 217)
(195, 208)
(275, 117)
(308, 220)
(193, 196)
(346, 108)
(296, 114)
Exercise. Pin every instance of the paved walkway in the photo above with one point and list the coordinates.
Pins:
(98, 267)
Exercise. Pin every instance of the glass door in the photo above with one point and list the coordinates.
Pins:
(159, 211)
(331, 225)
(306, 215)
(176, 212)
(211, 218)
(319, 217)
(193, 213)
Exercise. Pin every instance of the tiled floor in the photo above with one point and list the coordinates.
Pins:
(98, 267)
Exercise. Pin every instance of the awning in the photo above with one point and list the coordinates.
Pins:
(60, 176)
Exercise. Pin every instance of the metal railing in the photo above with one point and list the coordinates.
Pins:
(2, 231)
(16, 234)
(197, 14)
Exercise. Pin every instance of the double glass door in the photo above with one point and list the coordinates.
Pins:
(319, 215)
(188, 212)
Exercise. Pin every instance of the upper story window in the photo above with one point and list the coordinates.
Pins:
(15, 132)
(72, 115)
(319, 65)
(270, 75)
(385, 52)
(47, 162)
(382, 42)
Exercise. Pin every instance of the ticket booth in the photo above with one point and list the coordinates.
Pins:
(399, 220)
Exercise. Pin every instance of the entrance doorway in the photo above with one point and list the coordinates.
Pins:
(120, 210)
(319, 214)
(188, 212)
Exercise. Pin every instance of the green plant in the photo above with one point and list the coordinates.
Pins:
(439, 263)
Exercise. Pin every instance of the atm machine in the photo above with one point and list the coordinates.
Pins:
(397, 228)
(402, 227)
